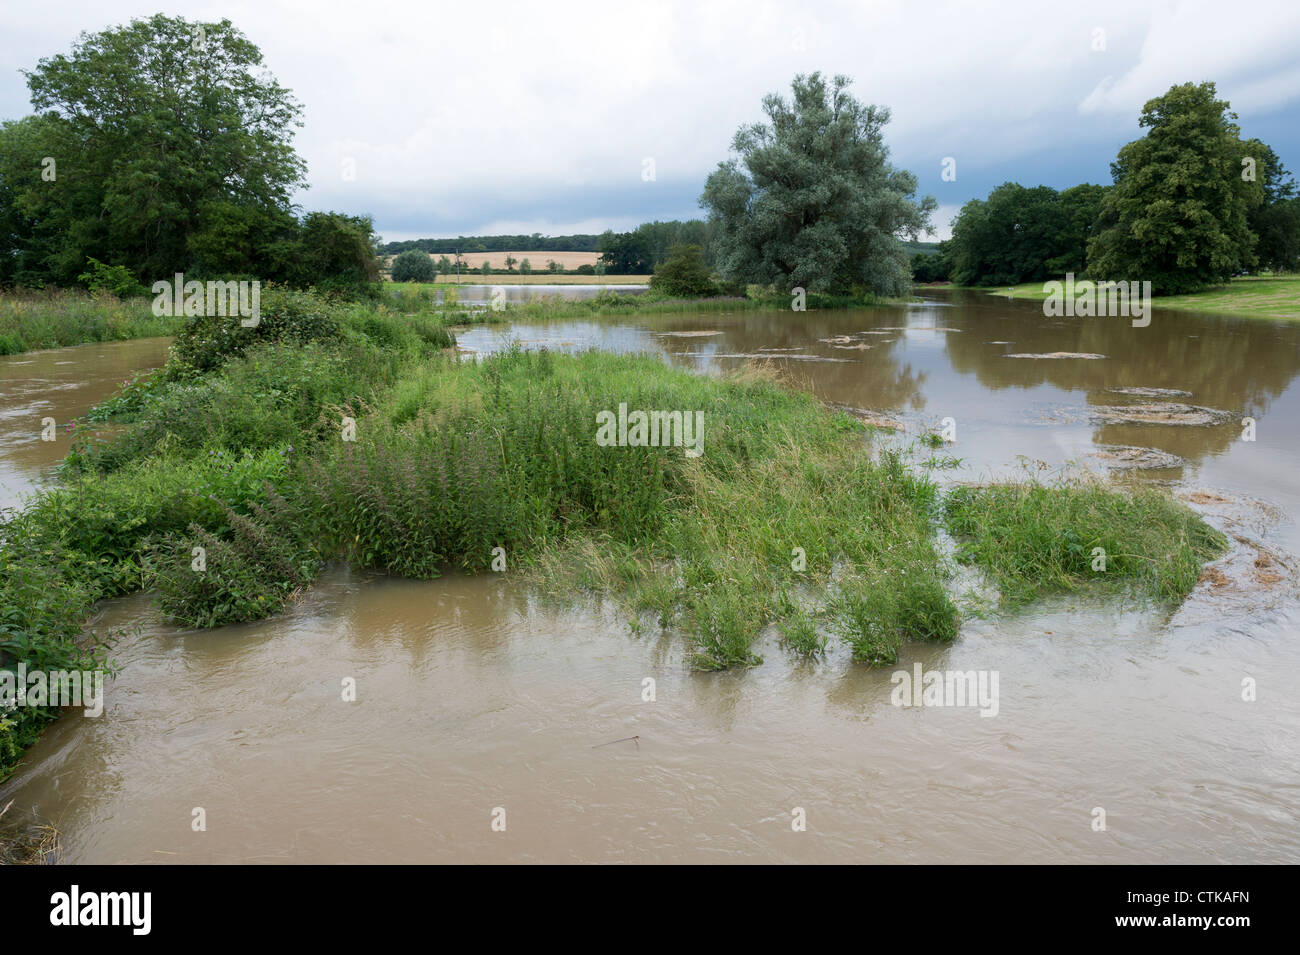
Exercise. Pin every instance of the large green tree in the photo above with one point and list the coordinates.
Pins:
(1276, 219)
(1023, 234)
(172, 145)
(1009, 237)
(1178, 212)
(812, 200)
(1081, 208)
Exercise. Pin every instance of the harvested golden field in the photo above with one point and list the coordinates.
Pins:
(545, 278)
(538, 260)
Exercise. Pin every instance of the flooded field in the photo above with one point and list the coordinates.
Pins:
(476, 701)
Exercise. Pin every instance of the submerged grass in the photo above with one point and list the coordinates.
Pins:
(53, 319)
(1034, 539)
(235, 476)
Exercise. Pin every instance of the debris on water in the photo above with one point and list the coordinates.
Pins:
(999, 343)
(770, 357)
(1160, 412)
(860, 346)
(625, 739)
(852, 341)
(1059, 354)
(877, 419)
(1253, 575)
(1151, 392)
(692, 334)
(1123, 457)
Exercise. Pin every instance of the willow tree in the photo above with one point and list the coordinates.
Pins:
(811, 200)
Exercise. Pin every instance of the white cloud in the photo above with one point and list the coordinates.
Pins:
(458, 116)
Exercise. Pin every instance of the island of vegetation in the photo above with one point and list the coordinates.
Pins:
(343, 425)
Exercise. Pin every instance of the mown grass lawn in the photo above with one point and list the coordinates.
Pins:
(1253, 296)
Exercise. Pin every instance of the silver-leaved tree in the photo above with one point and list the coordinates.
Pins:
(811, 201)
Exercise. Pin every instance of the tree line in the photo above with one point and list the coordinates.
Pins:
(1191, 204)
(495, 243)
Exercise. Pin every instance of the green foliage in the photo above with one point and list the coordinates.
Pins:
(111, 279)
(684, 275)
(878, 621)
(1177, 214)
(247, 573)
(812, 201)
(414, 266)
(330, 252)
(52, 319)
(639, 251)
(241, 454)
(1023, 234)
(267, 396)
(165, 146)
(1276, 220)
(1033, 539)
(933, 266)
(145, 129)
(497, 243)
(286, 316)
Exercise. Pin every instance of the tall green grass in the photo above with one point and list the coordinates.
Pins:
(1034, 539)
(53, 319)
(789, 526)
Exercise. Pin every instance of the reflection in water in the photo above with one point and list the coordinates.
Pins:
(482, 294)
(471, 694)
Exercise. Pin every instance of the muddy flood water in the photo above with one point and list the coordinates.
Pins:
(477, 701)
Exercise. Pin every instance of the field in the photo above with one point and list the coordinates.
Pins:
(1254, 296)
(538, 260)
(544, 278)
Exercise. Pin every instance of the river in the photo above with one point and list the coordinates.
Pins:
(475, 701)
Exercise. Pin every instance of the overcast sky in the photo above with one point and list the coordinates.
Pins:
(480, 118)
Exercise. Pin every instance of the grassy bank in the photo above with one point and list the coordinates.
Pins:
(354, 433)
(1249, 296)
(30, 320)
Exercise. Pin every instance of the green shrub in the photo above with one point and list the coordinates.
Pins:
(414, 266)
(114, 279)
(248, 572)
(683, 274)
(287, 316)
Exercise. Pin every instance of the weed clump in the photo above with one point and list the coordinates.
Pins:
(1033, 539)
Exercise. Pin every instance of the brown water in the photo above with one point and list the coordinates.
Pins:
(471, 695)
(61, 383)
